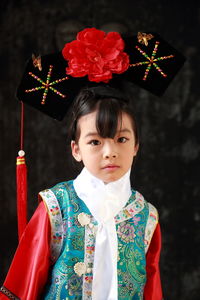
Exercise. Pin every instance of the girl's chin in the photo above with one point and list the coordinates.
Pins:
(108, 175)
(111, 177)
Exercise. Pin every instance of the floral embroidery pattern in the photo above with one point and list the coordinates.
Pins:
(56, 222)
(136, 220)
(78, 243)
(66, 283)
(151, 225)
(54, 210)
(56, 238)
(126, 232)
(131, 263)
(74, 285)
(126, 289)
(132, 209)
(90, 232)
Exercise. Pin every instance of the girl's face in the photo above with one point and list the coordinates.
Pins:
(106, 158)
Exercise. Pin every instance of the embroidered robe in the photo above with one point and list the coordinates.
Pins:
(72, 245)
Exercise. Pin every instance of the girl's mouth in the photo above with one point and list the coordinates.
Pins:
(111, 167)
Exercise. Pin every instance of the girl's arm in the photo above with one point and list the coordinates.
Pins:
(28, 272)
(153, 289)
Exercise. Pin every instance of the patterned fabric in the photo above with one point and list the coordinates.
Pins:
(55, 217)
(71, 275)
(151, 225)
(132, 263)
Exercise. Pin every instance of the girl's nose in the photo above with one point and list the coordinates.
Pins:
(110, 150)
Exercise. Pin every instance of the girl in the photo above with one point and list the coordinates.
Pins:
(93, 237)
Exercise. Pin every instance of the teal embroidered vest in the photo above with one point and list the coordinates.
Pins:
(73, 244)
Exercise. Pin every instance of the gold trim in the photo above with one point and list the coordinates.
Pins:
(20, 161)
(6, 292)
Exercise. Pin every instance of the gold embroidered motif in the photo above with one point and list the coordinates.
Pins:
(143, 38)
(37, 62)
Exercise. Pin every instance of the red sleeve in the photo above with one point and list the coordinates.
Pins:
(29, 269)
(153, 289)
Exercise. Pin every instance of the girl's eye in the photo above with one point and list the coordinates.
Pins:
(94, 142)
(122, 139)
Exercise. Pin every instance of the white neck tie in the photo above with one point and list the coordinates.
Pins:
(104, 202)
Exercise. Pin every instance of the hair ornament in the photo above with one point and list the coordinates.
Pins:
(143, 38)
(51, 82)
(37, 62)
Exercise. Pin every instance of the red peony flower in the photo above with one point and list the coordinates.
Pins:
(96, 54)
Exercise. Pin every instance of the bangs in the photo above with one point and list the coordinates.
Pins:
(109, 116)
(109, 104)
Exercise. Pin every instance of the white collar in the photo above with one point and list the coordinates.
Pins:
(104, 202)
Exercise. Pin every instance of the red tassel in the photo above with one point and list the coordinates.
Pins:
(21, 180)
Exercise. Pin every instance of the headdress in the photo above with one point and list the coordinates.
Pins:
(51, 82)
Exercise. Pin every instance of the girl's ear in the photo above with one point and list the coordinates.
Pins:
(136, 149)
(75, 151)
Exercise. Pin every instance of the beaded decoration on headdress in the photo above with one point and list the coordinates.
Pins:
(46, 85)
(151, 61)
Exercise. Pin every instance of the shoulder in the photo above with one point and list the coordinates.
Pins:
(61, 187)
(151, 223)
(53, 199)
(152, 217)
(153, 212)
(56, 198)
(56, 192)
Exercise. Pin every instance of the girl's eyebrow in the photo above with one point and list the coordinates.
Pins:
(124, 130)
(91, 134)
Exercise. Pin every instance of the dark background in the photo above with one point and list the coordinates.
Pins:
(168, 165)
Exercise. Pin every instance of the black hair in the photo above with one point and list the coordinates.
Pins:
(110, 104)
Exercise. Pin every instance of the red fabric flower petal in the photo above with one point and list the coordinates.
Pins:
(91, 36)
(100, 77)
(96, 54)
(116, 40)
(120, 64)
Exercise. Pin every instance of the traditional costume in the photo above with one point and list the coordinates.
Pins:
(56, 256)
(90, 240)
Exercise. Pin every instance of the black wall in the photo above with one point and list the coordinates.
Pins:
(168, 165)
